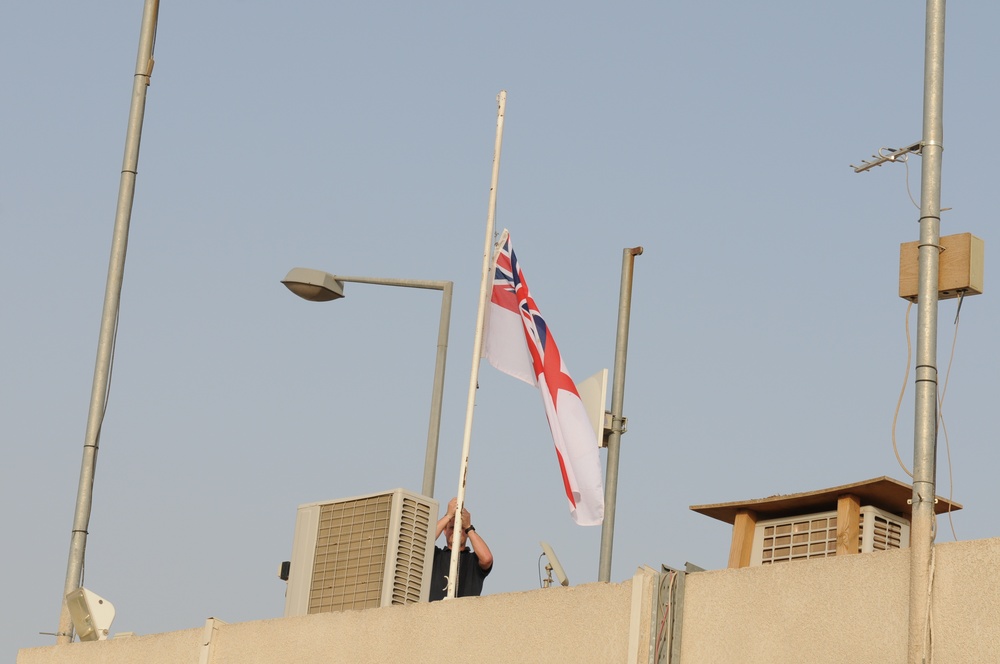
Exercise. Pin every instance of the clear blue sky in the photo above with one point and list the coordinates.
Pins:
(767, 349)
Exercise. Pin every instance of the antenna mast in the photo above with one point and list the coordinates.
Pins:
(925, 423)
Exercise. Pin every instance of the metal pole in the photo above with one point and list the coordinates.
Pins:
(926, 388)
(477, 345)
(617, 421)
(434, 429)
(109, 317)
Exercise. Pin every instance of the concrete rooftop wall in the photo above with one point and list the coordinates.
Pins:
(834, 610)
(588, 623)
(847, 609)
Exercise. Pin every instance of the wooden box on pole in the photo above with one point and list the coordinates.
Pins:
(960, 269)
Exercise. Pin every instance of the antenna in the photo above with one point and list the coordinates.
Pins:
(91, 614)
(594, 395)
(553, 566)
(888, 154)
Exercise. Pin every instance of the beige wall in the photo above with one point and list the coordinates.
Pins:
(847, 609)
(589, 623)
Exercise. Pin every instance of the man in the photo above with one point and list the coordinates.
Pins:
(473, 566)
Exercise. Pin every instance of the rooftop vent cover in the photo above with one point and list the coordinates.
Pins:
(362, 552)
(815, 536)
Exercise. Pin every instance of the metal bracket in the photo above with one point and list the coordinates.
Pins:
(608, 428)
(666, 635)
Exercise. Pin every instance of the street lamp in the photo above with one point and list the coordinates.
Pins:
(319, 286)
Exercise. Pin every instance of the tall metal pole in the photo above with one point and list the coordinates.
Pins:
(617, 420)
(925, 411)
(437, 393)
(109, 317)
(486, 282)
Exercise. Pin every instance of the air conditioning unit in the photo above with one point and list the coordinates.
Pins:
(815, 536)
(362, 552)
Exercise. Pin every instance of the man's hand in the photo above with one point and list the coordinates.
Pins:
(466, 516)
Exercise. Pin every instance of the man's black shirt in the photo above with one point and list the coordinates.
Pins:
(470, 574)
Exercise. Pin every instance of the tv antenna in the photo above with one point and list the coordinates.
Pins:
(552, 566)
(888, 154)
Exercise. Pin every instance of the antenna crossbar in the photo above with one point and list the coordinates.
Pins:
(887, 154)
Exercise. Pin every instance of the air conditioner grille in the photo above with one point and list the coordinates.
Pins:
(885, 533)
(807, 537)
(416, 520)
(350, 554)
(815, 536)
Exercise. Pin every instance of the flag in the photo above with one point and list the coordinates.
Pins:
(518, 342)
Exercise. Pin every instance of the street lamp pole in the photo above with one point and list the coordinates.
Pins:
(319, 286)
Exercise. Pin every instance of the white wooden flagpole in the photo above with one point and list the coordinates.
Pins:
(477, 350)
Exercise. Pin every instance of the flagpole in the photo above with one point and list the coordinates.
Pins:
(477, 349)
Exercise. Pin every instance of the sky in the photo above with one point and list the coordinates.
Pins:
(767, 346)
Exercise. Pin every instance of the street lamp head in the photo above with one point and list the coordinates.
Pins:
(314, 285)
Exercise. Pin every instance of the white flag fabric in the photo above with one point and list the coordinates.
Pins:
(518, 342)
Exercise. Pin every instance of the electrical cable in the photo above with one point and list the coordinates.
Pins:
(670, 624)
(928, 632)
(928, 635)
(947, 441)
(940, 406)
(663, 621)
(903, 159)
(906, 378)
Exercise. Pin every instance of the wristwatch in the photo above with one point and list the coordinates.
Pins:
(469, 528)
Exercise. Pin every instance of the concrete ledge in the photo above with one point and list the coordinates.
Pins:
(588, 623)
(847, 609)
